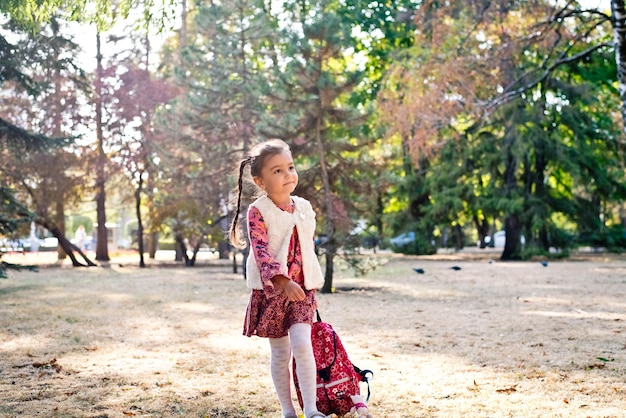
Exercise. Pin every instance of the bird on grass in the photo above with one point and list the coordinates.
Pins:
(418, 270)
(455, 268)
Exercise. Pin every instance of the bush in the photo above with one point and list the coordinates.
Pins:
(420, 246)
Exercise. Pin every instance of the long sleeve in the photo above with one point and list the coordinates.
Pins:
(259, 247)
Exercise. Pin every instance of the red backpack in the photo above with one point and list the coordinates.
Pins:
(337, 378)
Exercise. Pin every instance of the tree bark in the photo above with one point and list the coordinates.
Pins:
(60, 222)
(618, 9)
(57, 130)
(138, 190)
(512, 229)
(482, 226)
(180, 248)
(511, 222)
(64, 243)
(102, 251)
(331, 247)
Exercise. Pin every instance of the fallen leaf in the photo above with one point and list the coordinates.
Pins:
(566, 400)
(595, 366)
(50, 364)
(507, 390)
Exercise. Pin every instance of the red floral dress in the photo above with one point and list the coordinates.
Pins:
(270, 314)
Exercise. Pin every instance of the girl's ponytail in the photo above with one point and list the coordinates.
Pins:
(234, 234)
(256, 158)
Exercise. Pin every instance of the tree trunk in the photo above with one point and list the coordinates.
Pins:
(64, 243)
(153, 239)
(482, 226)
(512, 230)
(540, 191)
(60, 223)
(512, 225)
(180, 248)
(618, 9)
(138, 190)
(102, 251)
(57, 130)
(331, 248)
(511, 222)
(458, 237)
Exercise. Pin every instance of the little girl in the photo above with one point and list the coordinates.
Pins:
(282, 271)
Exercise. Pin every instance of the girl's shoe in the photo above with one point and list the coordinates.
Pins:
(316, 414)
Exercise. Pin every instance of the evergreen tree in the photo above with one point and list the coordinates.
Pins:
(44, 81)
(214, 122)
(474, 71)
(311, 92)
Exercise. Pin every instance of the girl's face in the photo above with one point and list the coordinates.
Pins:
(278, 177)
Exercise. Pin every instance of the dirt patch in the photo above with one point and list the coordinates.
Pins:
(491, 339)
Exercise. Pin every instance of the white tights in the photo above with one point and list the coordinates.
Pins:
(298, 342)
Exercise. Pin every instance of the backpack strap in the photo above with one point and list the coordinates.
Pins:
(325, 372)
(366, 375)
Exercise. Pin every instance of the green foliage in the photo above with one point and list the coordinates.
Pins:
(314, 73)
(548, 158)
(12, 215)
(12, 212)
(612, 238)
(4, 267)
(30, 14)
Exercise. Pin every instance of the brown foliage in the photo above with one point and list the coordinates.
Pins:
(466, 58)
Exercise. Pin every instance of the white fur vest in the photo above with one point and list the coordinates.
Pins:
(280, 225)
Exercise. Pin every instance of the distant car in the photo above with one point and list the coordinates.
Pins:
(50, 242)
(123, 243)
(403, 239)
(320, 242)
(499, 239)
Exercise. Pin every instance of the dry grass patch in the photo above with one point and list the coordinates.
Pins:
(490, 340)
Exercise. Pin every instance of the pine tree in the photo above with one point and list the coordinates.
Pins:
(214, 123)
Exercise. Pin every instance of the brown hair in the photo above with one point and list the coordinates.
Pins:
(255, 159)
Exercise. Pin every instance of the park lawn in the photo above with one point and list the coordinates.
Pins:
(492, 339)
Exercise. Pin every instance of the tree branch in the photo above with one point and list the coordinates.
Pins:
(507, 96)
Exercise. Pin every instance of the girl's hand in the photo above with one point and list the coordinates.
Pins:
(292, 290)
